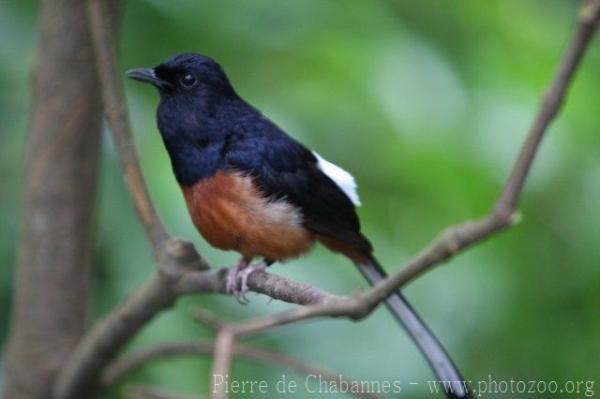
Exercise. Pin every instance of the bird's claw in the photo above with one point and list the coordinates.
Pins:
(231, 285)
(231, 282)
(237, 281)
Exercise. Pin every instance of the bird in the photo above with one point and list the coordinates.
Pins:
(251, 188)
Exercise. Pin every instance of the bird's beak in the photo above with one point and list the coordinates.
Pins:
(147, 75)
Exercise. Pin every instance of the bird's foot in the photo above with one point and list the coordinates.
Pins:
(241, 274)
(231, 285)
(244, 274)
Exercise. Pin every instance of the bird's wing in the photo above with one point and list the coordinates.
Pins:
(285, 169)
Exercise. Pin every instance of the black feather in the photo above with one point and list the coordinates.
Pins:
(210, 128)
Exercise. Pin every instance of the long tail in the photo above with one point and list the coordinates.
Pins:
(439, 360)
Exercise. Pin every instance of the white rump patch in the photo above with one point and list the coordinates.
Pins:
(343, 179)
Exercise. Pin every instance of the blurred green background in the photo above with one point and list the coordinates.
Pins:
(426, 103)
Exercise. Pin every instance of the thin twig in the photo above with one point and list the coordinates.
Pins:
(551, 104)
(223, 357)
(208, 319)
(115, 109)
(129, 363)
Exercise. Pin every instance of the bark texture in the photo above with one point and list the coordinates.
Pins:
(62, 156)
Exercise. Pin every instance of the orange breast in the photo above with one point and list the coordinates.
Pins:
(232, 214)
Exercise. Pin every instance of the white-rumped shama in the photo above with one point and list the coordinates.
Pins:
(251, 188)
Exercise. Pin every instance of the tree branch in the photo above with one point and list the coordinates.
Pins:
(115, 109)
(49, 307)
(129, 363)
(551, 104)
(223, 357)
(182, 271)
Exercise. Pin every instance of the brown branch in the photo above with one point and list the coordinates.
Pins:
(223, 357)
(272, 285)
(115, 109)
(102, 343)
(226, 350)
(208, 319)
(178, 273)
(129, 363)
(551, 104)
(49, 307)
(181, 270)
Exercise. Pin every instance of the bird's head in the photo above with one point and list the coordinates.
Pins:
(184, 76)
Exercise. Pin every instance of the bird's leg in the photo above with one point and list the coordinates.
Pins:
(246, 272)
(232, 277)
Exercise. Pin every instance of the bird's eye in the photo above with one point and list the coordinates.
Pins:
(188, 80)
